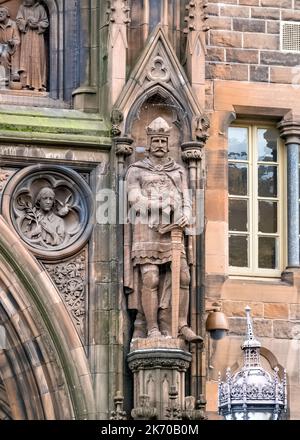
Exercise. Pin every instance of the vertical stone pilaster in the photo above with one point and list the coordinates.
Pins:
(196, 46)
(290, 132)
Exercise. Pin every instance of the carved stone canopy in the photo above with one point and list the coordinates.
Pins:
(50, 208)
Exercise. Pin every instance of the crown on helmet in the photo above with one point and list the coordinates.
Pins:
(158, 127)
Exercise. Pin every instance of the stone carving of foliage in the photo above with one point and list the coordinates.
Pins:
(70, 277)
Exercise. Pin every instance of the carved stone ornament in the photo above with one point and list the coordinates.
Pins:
(4, 177)
(70, 278)
(50, 208)
(159, 71)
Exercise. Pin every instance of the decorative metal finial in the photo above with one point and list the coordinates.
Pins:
(252, 392)
(251, 341)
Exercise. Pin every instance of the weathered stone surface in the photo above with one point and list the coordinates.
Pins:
(266, 13)
(261, 41)
(277, 3)
(237, 308)
(248, 25)
(235, 11)
(228, 38)
(273, 27)
(219, 23)
(262, 327)
(275, 310)
(286, 329)
(237, 72)
(215, 54)
(259, 73)
(283, 75)
(242, 56)
(295, 311)
(280, 59)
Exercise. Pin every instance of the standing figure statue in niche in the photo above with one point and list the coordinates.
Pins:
(9, 46)
(43, 224)
(32, 21)
(159, 201)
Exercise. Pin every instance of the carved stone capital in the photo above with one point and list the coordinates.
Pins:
(123, 146)
(289, 129)
(192, 151)
(162, 359)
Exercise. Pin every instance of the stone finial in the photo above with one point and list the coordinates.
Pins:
(196, 16)
(173, 411)
(118, 413)
(118, 12)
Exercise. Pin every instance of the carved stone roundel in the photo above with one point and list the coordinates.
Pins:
(50, 208)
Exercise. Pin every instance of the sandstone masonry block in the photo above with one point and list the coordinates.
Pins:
(259, 73)
(290, 15)
(231, 2)
(215, 54)
(277, 3)
(295, 311)
(249, 25)
(280, 59)
(275, 310)
(297, 4)
(234, 72)
(221, 38)
(262, 327)
(273, 27)
(237, 309)
(235, 11)
(212, 9)
(220, 23)
(266, 13)
(282, 75)
(261, 41)
(242, 56)
(286, 329)
(249, 2)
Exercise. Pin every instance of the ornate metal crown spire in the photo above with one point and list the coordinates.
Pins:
(251, 345)
(252, 392)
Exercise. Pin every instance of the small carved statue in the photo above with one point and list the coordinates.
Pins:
(159, 199)
(32, 21)
(41, 223)
(9, 46)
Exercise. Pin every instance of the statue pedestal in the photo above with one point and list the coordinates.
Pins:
(158, 365)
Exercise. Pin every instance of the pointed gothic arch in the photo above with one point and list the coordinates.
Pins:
(43, 367)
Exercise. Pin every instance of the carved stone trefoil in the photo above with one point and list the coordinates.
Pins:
(70, 278)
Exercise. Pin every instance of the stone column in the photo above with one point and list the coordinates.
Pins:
(290, 132)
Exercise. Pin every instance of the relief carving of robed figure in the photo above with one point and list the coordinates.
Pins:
(159, 202)
(32, 21)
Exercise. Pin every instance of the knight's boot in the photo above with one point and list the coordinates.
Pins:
(164, 319)
(150, 307)
(184, 330)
